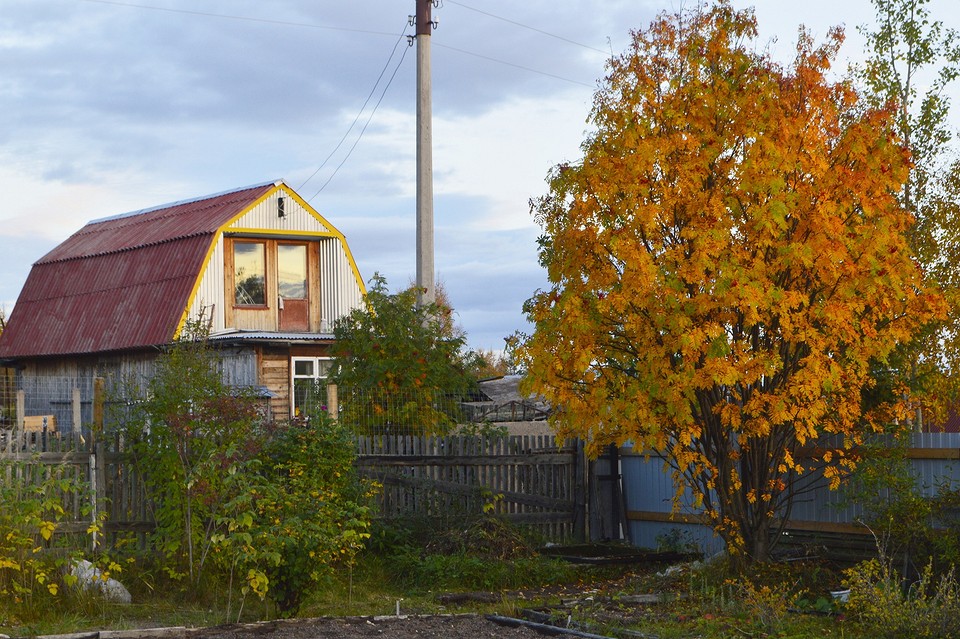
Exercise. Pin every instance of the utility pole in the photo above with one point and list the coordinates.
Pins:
(426, 293)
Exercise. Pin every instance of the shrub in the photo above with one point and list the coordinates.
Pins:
(879, 599)
(273, 507)
(30, 573)
(297, 513)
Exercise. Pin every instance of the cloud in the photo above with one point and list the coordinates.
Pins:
(110, 108)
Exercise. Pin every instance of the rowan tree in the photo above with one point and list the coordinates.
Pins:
(402, 367)
(907, 47)
(724, 263)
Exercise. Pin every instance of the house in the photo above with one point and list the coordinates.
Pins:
(268, 273)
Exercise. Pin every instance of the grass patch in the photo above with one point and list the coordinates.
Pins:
(406, 572)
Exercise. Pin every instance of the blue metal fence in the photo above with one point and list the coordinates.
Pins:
(934, 460)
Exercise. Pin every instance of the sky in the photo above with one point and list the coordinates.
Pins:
(113, 106)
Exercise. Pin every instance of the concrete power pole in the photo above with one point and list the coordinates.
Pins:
(426, 293)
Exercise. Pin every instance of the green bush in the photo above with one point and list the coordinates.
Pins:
(880, 600)
(31, 573)
(297, 513)
(269, 507)
(486, 553)
(415, 571)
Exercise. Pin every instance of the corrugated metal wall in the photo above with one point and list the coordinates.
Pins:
(340, 292)
(648, 492)
(295, 219)
(210, 295)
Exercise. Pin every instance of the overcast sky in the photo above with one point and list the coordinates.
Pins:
(112, 106)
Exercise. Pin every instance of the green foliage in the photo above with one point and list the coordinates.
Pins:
(185, 431)
(910, 520)
(484, 553)
(463, 571)
(677, 540)
(270, 507)
(31, 575)
(909, 49)
(402, 367)
(298, 511)
(928, 608)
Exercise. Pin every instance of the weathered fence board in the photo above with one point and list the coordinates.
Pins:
(529, 480)
(526, 479)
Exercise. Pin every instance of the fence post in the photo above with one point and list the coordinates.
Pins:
(98, 491)
(581, 470)
(332, 401)
(21, 408)
(98, 392)
(94, 496)
(77, 415)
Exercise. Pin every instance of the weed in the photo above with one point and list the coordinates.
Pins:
(930, 607)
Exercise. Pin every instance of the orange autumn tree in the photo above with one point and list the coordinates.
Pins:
(725, 261)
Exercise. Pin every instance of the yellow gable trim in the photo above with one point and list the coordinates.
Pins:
(225, 229)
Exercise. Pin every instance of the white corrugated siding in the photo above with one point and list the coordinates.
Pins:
(210, 292)
(264, 216)
(340, 291)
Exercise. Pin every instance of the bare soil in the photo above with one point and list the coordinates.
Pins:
(420, 627)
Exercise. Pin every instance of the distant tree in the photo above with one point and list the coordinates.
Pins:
(488, 363)
(907, 48)
(402, 368)
(724, 264)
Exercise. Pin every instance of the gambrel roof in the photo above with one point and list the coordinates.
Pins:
(129, 281)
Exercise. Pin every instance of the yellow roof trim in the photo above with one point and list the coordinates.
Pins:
(343, 240)
(196, 285)
(280, 233)
(224, 229)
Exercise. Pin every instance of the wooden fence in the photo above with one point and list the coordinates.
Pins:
(114, 489)
(529, 480)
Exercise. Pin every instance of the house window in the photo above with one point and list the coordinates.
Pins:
(309, 384)
(292, 271)
(249, 263)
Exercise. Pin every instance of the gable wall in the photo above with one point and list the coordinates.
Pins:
(340, 292)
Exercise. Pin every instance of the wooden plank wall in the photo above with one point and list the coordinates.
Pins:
(529, 480)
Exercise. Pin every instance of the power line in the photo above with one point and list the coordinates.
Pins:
(511, 64)
(526, 26)
(360, 112)
(365, 124)
(227, 16)
(286, 23)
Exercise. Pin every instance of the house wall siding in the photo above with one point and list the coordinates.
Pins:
(340, 292)
(264, 216)
(274, 367)
(335, 289)
(210, 295)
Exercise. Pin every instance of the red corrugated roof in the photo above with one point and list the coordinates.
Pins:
(121, 282)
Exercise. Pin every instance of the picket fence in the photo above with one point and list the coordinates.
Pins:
(529, 480)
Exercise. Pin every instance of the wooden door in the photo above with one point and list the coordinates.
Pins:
(294, 294)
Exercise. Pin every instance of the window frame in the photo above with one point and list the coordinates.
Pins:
(315, 377)
(305, 246)
(266, 272)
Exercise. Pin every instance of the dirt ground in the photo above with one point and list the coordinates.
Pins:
(445, 627)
